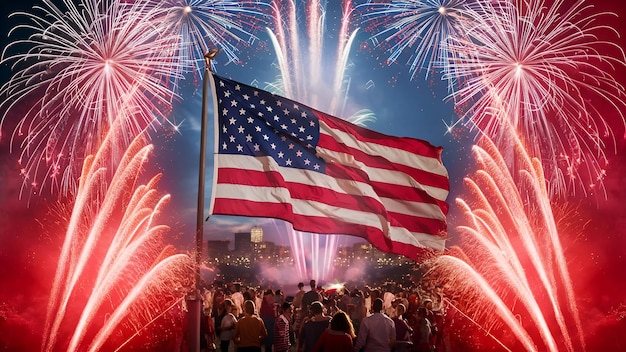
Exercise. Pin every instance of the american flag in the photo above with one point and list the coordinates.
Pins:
(277, 158)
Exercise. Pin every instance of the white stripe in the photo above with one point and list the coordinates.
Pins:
(395, 155)
(310, 208)
(383, 175)
(312, 178)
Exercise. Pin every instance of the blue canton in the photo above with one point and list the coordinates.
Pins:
(258, 123)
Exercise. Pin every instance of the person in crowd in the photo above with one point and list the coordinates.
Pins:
(227, 325)
(313, 328)
(377, 332)
(282, 341)
(403, 330)
(424, 336)
(356, 308)
(237, 298)
(249, 330)
(268, 314)
(338, 337)
(310, 297)
(297, 299)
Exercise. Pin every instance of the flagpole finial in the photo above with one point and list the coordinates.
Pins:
(209, 55)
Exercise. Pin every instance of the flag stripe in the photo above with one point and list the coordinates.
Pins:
(313, 216)
(263, 171)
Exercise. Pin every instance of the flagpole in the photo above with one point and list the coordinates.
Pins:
(194, 301)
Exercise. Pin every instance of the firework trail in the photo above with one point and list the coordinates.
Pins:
(513, 238)
(112, 262)
(305, 76)
(426, 25)
(86, 66)
(202, 25)
(542, 68)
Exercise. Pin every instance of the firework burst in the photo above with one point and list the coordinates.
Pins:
(203, 25)
(87, 65)
(426, 25)
(543, 69)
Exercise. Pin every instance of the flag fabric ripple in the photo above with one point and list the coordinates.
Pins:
(276, 158)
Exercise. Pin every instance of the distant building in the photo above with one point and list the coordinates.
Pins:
(243, 242)
(256, 235)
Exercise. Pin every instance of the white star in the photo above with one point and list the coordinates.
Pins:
(283, 126)
(309, 137)
(294, 121)
(232, 120)
(257, 128)
(239, 148)
(283, 138)
(316, 166)
(221, 83)
(281, 154)
(233, 103)
(246, 97)
(291, 146)
(301, 129)
(266, 137)
(241, 129)
(224, 146)
(303, 114)
(227, 94)
(296, 106)
(262, 101)
(224, 129)
(299, 153)
(279, 103)
(242, 111)
(311, 123)
(286, 112)
(273, 146)
(224, 112)
(269, 108)
(256, 147)
(237, 87)
(232, 138)
(288, 162)
(248, 138)
(250, 120)
(307, 161)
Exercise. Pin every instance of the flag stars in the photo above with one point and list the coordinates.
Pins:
(266, 137)
(224, 146)
(241, 129)
(286, 111)
(257, 128)
(237, 87)
(239, 148)
(232, 120)
(227, 94)
(256, 147)
(312, 123)
(296, 106)
(262, 101)
(307, 162)
(316, 166)
(301, 129)
(288, 162)
(276, 118)
(248, 138)
(224, 129)
(269, 108)
(294, 121)
(273, 146)
(283, 126)
(291, 146)
(250, 120)
(233, 103)
(242, 111)
(303, 114)
(232, 139)
(283, 138)
(299, 153)
(246, 97)
(279, 103)
(281, 155)
(225, 112)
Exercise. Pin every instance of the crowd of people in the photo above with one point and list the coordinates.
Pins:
(243, 318)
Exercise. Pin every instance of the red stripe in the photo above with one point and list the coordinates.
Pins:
(418, 224)
(412, 145)
(299, 190)
(421, 176)
(322, 225)
(386, 190)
